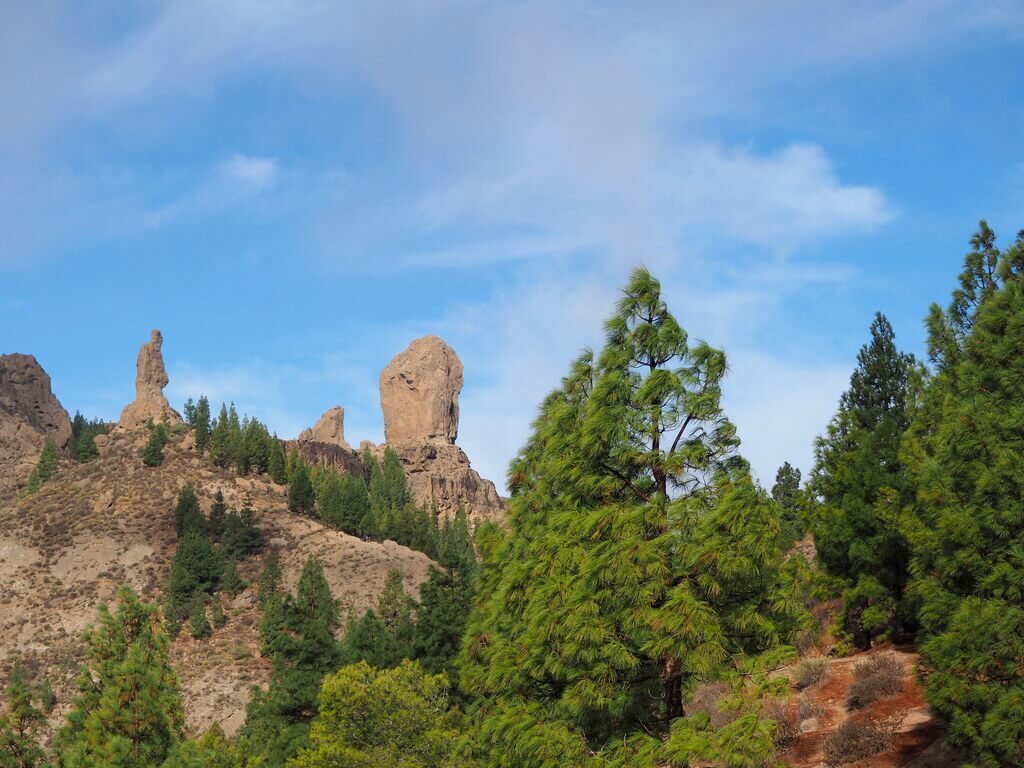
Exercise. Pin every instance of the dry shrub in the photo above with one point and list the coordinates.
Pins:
(876, 678)
(809, 672)
(855, 740)
(787, 727)
(705, 701)
(808, 708)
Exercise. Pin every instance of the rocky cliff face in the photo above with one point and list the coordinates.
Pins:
(29, 414)
(150, 404)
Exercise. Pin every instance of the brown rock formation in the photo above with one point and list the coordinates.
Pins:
(29, 414)
(329, 429)
(419, 393)
(440, 476)
(150, 380)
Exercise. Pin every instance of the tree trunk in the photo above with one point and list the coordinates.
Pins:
(673, 691)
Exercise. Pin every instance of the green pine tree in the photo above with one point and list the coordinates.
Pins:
(965, 452)
(639, 560)
(218, 514)
(856, 461)
(398, 717)
(277, 463)
(199, 625)
(189, 412)
(195, 574)
(303, 651)
(445, 601)
(211, 750)
(128, 710)
(786, 492)
(231, 580)
(46, 467)
(301, 496)
(153, 453)
(220, 439)
(188, 515)
(201, 425)
(241, 537)
(21, 725)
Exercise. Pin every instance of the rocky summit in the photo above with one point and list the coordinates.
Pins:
(419, 393)
(150, 404)
(29, 414)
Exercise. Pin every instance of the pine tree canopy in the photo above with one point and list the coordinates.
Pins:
(21, 723)
(128, 710)
(965, 452)
(372, 718)
(640, 560)
(856, 472)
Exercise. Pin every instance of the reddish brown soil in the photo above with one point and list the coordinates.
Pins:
(917, 732)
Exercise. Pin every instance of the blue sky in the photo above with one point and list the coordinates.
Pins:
(293, 191)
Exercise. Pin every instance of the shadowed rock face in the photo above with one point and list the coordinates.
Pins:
(29, 414)
(150, 380)
(329, 429)
(419, 393)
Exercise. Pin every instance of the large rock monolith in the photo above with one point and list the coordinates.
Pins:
(419, 393)
(150, 404)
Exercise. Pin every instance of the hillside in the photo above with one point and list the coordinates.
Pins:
(97, 525)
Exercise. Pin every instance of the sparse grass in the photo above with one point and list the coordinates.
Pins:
(855, 740)
(876, 678)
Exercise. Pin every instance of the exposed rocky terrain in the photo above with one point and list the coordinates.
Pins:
(108, 522)
(29, 414)
(419, 397)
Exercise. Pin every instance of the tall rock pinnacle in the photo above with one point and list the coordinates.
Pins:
(419, 393)
(150, 380)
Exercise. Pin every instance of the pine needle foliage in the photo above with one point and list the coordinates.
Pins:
(856, 472)
(373, 718)
(128, 710)
(45, 468)
(640, 560)
(21, 724)
(965, 451)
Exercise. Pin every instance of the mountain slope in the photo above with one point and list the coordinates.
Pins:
(108, 522)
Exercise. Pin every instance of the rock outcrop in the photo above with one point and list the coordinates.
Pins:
(29, 414)
(419, 393)
(441, 476)
(330, 429)
(150, 404)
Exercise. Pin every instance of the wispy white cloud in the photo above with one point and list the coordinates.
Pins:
(256, 172)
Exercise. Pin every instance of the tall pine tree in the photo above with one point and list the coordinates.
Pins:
(303, 650)
(624, 579)
(965, 451)
(128, 709)
(857, 469)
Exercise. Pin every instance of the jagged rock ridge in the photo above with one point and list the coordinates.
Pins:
(330, 429)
